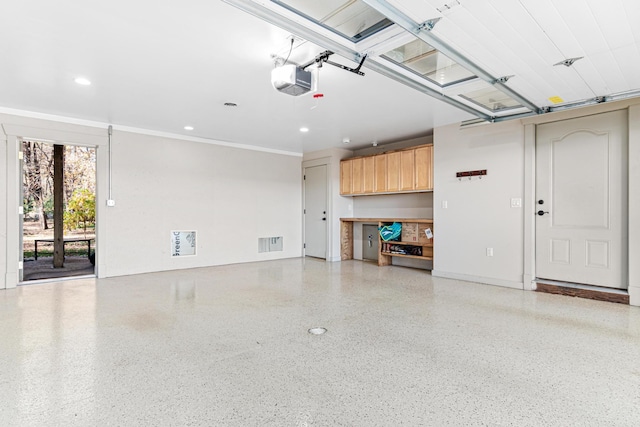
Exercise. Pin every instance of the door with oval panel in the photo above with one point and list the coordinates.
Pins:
(581, 200)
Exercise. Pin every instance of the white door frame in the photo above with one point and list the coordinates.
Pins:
(13, 202)
(90, 137)
(633, 109)
(325, 161)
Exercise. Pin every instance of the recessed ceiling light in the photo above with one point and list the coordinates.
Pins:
(188, 128)
(346, 140)
(317, 331)
(303, 129)
(82, 81)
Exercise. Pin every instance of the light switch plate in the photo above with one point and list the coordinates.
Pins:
(516, 203)
(445, 204)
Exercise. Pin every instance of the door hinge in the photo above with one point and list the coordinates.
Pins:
(304, 177)
(304, 246)
(304, 211)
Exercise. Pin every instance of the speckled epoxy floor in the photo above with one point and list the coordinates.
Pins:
(228, 346)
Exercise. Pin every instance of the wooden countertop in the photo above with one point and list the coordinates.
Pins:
(420, 220)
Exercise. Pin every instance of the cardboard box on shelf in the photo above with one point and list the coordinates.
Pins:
(409, 232)
(422, 235)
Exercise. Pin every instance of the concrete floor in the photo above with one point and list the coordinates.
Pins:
(228, 346)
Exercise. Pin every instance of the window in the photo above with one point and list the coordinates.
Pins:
(352, 19)
(492, 99)
(427, 62)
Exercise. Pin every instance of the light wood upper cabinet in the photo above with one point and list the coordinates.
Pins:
(368, 169)
(424, 168)
(407, 170)
(346, 176)
(399, 171)
(393, 171)
(357, 182)
(380, 181)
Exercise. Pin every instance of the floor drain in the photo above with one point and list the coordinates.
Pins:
(317, 331)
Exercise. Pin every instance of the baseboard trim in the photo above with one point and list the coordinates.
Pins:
(478, 279)
(597, 293)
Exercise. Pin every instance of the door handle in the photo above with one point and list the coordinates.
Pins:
(540, 213)
(324, 219)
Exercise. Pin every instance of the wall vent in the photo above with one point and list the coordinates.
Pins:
(270, 244)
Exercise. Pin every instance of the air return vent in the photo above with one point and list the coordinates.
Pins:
(270, 244)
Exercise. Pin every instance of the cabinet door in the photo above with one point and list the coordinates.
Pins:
(424, 168)
(393, 171)
(368, 174)
(407, 170)
(380, 180)
(345, 176)
(357, 183)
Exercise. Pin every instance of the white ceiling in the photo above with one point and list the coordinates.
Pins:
(160, 65)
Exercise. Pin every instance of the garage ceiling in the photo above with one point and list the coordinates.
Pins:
(158, 66)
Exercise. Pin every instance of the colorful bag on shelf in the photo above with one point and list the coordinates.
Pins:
(390, 232)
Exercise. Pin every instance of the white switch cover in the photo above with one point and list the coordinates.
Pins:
(445, 205)
(489, 251)
(516, 203)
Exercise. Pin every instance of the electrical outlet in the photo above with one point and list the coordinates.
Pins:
(489, 251)
(111, 203)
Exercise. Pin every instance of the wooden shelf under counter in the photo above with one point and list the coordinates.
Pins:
(413, 235)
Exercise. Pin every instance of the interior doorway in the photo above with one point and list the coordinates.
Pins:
(581, 200)
(315, 211)
(75, 186)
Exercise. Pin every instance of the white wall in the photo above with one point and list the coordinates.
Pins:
(479, 215)
(230, 196)
(3, 210)
(410, 205)
(634, 205)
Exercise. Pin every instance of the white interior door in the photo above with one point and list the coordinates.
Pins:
(315, 211)
(581, 200)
